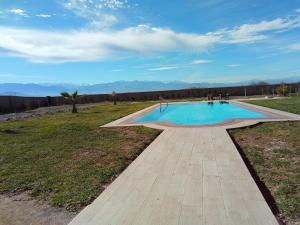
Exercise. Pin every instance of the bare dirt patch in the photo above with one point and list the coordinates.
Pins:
(85, 153)
(264, 142)
(21, 209)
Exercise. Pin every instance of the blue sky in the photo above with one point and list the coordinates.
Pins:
(97, 41)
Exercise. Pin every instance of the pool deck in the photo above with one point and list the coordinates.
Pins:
(186, 176)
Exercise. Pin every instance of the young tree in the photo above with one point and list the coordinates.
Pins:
(114, 96)
(71, 97)
(282, 89)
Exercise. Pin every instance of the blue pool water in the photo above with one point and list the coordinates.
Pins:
(198, 113)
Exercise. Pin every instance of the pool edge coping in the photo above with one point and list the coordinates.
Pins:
(275, 115)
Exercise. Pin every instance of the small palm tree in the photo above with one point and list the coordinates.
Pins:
(71, 97)
(114, 95)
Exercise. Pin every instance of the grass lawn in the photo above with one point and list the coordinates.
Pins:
(273, 150)
(291, 104)
(67, 159)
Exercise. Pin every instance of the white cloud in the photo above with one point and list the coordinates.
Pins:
(96, 44)
(43, 15)
(294, 47)
(114, 4)
(298, 10)
(22, 12)
(105, 21)
(233, 65)
(97, 12)
(183, 65)
(248, 33)
(200, 61)
(163, 68)
(267, 55)
(19, 12)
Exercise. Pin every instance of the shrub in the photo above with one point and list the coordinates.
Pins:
(282, 89)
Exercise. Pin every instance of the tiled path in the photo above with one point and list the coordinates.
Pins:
(186, 176)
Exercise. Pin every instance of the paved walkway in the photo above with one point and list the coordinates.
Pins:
(186, 176)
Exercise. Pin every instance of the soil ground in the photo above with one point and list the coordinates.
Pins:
(21, 209)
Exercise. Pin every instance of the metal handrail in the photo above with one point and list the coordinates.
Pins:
(161, 101)
(160, 106)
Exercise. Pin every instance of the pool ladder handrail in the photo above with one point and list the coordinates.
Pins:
(160, 106)
(161, 103)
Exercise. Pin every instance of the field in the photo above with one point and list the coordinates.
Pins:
(291, 104)
(273, 152)
(67, 159)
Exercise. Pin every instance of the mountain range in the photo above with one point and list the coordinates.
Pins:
(18, 89)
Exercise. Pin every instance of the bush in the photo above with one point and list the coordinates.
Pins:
(282, 89)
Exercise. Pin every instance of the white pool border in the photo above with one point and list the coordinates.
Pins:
(275, 115)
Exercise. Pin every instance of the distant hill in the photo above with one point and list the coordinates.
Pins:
(17, 89)
(11, 93)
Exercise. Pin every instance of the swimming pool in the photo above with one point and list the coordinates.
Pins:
(199, 113)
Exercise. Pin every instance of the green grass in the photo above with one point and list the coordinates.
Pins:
(273, 150)
(291, 104)
(67, 159)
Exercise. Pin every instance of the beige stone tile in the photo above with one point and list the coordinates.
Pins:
(214, 211)
(183, 162)
(193, 192)
(195, 171)
(131, 206)
(260, 213)
(169, 212)
(211, 187)
(210, 168)
(153, 202)
(186, 176)
(235, 207)
(196, 158)
(191, 215)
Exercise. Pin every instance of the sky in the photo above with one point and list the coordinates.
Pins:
(100, 41)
